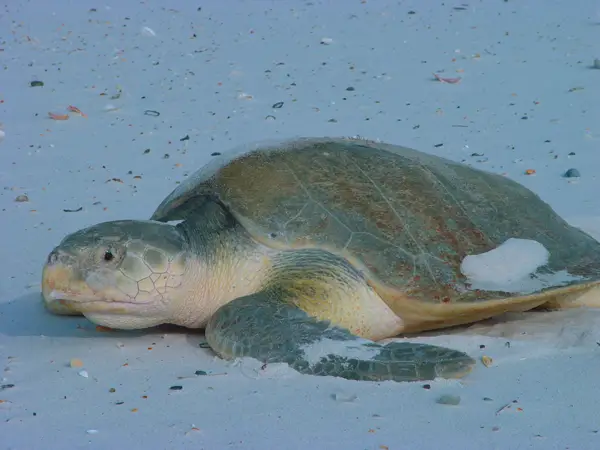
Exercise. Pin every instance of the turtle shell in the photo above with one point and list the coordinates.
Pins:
(407, 219)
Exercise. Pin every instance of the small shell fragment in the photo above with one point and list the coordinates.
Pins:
(326, 41)
(21, 198)
(447, 80)
(83, 373)
(76, 110)
(530, 172)
(487, 361)
(92, 431)
(55, 116)
(147, 31)
(76, 363)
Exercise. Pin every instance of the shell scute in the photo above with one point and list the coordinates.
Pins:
(405, 218)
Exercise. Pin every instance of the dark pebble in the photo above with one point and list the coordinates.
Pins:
(350, 88)
(278, 105)
(481, 346)
(215, 154)
(36, 83)
(571, 153)
(200, 372)
(176, 388)
(185, 138)
(146, 151)
(572, 173)
(151, 112)
(426, 386)
(7, 386)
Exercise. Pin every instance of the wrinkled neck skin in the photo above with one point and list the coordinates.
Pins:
(223, 263)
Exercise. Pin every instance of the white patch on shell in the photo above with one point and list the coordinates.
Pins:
(323, 347)
(511, 266)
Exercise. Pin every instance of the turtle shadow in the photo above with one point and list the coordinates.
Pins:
(577, 327)
(26, 316)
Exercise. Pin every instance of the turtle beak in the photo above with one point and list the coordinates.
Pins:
(61, 287)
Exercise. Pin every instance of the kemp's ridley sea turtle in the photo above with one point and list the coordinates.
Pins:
(308, 251)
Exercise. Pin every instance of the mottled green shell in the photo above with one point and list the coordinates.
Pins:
(406, 218)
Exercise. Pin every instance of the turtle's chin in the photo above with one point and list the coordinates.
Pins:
(123, 321)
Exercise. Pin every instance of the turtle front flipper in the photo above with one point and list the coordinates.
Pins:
(317, 314)
(273, 331)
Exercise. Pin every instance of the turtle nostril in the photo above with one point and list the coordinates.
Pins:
(52, 257)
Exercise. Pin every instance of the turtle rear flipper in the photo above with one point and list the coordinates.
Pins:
(273, 331)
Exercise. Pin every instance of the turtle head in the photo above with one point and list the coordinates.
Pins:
(119, 274)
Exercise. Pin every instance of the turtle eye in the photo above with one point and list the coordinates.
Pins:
(108, 255)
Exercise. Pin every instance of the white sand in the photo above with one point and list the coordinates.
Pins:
(527, 98)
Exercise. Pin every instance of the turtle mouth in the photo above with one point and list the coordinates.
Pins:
(82, 303)
(64, 293)
(72, 298)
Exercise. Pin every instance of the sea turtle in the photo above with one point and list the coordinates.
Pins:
(308, 251)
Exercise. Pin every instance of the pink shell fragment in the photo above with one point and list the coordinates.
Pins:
(447, 80)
